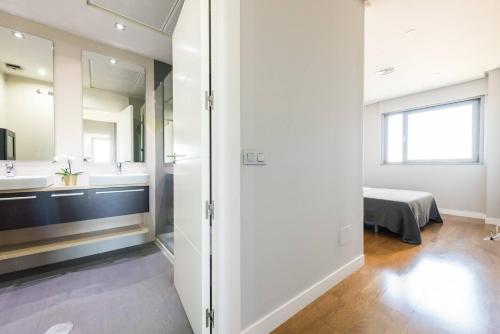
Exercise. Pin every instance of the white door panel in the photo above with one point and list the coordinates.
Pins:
(192, 167)
(187, 181)
(125, 135)
(187, 278)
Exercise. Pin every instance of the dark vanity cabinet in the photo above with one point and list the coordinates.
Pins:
(67, 206)
(25, 209)
(30, 209)
(112, 202)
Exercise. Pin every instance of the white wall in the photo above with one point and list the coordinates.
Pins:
(69, 140)
(301, 102)
(456, 187)
(2, 100)
(31, 116)
(491, 149)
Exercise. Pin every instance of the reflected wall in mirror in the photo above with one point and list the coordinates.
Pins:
(114, 107)
(26, 97)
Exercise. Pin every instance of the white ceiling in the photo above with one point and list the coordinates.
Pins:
(160, 15)
(121, 78)
(454, 41)
(149, 23)
(31, 53)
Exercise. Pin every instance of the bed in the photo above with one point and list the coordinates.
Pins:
(403, 212)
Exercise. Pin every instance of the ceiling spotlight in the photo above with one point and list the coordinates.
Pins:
(119, 26)
(386, 71)
(42, 72)
(112, 61)
(18, 35)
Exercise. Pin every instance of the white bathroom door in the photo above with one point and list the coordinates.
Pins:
(192, 224)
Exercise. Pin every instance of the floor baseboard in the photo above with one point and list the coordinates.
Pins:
(460, 213)
(278, 316)
(492, 221)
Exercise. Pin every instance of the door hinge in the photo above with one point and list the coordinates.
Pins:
(209, 318)
(209, 100)
(210, 209)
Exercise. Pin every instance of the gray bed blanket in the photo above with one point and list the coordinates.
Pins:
(400, 211)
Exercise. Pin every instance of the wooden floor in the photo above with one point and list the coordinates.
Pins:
(449, 284)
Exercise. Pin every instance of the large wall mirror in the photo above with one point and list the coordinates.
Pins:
(26, 97)
(114, 108)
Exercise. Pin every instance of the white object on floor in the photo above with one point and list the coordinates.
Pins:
(63, 328)
(493, 237)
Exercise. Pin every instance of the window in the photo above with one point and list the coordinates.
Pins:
(448, 133)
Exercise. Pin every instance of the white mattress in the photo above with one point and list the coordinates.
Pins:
(397, 195)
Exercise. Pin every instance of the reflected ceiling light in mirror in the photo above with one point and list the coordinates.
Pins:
(386, 71)
(42, 72)
(17, 34)
(410, 32)
(119, 26)
(112, 61)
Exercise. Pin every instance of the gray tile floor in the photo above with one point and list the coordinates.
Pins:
(124, 292)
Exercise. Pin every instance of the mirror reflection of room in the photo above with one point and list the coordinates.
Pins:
(26, 97)
(113, 109)
(168, 119)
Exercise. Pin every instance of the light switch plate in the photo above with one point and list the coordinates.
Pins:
(254, 157)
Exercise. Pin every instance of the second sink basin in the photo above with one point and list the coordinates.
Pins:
(118, 179)
(25, 182)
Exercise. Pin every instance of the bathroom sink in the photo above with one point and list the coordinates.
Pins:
(118, 179)
(25, 182)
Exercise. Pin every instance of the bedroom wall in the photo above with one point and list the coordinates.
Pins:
(301, 102)
(456, 187)
(492, 155)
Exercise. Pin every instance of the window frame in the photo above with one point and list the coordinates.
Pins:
(478, 137)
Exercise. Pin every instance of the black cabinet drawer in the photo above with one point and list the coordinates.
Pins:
(21, 210)
(68, 206)
(29, 209)
(120, 201)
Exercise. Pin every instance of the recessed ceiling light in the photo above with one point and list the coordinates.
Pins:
(42, 72)
(18, 35)
(386, 71)
(119, 26)
(112, 61)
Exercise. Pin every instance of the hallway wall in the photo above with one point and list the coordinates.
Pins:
(301, 102)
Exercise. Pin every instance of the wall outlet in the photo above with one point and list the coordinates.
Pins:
(345, 235)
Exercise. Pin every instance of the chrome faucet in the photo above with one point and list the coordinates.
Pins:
(10, 169)
(119, 166)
